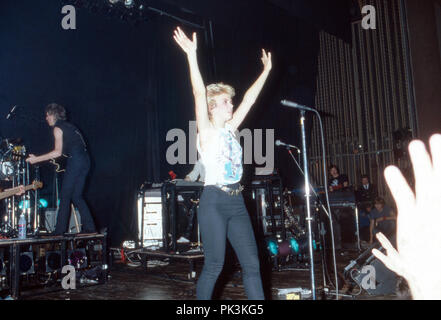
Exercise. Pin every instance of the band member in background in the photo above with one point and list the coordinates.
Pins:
(222, 213)
(337, 181)
(365, 223)
(197, 174)
(365, 196)
(70, 143)
(367, 192)
(383, 219)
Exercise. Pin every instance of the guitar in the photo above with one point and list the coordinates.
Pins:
(8, 193)
(59, 163)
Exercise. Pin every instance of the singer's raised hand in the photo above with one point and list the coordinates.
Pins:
(266, 60)
(187, 45)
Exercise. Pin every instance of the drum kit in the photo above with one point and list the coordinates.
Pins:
(14, 172)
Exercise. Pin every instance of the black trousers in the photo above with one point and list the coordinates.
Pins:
(222, 216)
(72, 191)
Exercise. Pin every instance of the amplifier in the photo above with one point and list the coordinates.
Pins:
(268, 197)
(342, 204)
(50, 220)
(268, 226)
(341, 196)
(150, 229)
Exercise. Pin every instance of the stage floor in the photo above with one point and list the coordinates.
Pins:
(165, 282)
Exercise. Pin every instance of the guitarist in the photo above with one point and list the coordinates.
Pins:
(69, 142)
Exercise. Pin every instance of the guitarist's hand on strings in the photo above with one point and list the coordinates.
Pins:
(20, 191)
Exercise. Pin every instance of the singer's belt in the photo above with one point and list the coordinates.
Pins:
(232, 190)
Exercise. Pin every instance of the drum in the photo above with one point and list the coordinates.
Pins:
(285, 248)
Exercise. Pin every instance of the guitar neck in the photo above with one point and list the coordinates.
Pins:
(13, 191)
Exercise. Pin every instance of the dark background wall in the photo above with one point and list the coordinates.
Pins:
(125, 86)
(426, 64)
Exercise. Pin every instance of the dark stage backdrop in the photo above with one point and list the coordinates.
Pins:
(126, 86)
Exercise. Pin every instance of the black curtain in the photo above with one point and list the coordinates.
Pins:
(123, 86)
(294, 45)
(126, 86)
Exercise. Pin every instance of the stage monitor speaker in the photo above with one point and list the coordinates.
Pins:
(50, 220)
(26, 263)
(53, 261)
(386, 281)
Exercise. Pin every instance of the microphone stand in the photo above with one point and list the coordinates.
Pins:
(324, 210)
(308, 205)
(36, 202)
(307, 185)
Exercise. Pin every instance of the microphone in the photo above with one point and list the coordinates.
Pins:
(296, 105)
(11, 112)
(289, 146)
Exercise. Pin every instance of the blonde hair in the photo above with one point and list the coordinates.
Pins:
(216, 89)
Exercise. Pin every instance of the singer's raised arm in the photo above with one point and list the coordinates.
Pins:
(253, 92)
(199, 92)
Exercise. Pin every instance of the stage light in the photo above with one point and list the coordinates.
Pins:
(300, 245)
(113, 1)
(291, 246)
(53, 261)
(43, 203)
(294, 245)
(27, 204)
(26, 263)
(273, 247)
(129, 3)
